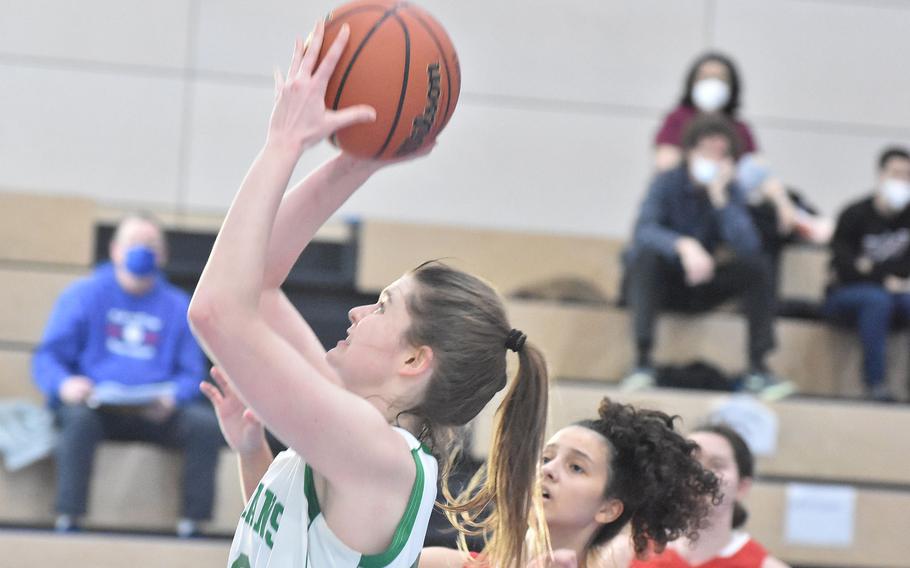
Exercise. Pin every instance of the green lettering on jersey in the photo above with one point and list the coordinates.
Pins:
(277, 510)
(263, 519)
(243, 561)
(269, 516)
(248, 514)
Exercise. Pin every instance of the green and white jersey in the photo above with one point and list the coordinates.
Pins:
(283, 526)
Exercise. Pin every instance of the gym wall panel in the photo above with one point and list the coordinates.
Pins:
(829, 61)
(115, 137)
(565, 96)
(557, 52)
(127, 32)
(830, 168)
(251, 38)
(228, 127)
(575, 51)
(523, 169)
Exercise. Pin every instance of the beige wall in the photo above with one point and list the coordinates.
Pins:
(165, 103)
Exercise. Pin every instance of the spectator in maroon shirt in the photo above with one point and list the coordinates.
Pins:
(712, 86)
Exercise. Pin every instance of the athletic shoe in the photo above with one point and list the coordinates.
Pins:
(641, 378)
(767, 387)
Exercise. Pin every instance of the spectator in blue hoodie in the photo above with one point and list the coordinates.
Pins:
(117, 361)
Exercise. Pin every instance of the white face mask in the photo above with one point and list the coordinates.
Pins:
(896, 193)
(710, 95)
(703, 170)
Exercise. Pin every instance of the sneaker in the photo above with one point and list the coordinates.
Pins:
(880, 393)
(766, 386)
(641, 378)
(65, 524)
(187, 528)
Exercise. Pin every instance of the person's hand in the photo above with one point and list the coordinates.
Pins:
(864, 265)
(75, 389)
(719, 187)
(371, 166)
(242, 431)
(160, 410)
(300, 118)
(896, 284)
(697, 263)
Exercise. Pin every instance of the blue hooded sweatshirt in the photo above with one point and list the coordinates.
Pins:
(107, 334)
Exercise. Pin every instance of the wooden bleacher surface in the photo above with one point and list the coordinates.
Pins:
(592, 343)
(818, 440)
(507, 259)
(22, 549)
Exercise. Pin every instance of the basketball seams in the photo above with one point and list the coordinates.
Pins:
(363, 42)
(404, 82)
(423, 41)
(445, 62)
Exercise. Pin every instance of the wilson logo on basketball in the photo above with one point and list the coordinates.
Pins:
(423, 123)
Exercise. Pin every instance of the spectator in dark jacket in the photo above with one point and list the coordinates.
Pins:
(870, 264)
(694, 247)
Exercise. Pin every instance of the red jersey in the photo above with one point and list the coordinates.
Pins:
(749, 554)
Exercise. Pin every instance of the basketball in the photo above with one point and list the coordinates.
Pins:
(400, 61)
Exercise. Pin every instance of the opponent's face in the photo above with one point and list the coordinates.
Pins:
(716, 455)
(574, 474)
(375, 348)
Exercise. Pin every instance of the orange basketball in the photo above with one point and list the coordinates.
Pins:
(400, 61)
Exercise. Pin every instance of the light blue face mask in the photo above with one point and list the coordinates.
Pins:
(751, 174)
(702, 170)
(140, 261)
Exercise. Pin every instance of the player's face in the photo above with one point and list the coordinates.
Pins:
(716, 455)
(375, 347)
(574, 474)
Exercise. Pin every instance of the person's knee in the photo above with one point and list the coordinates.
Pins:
(199, 426)
(876, 301)
(80, 419)
(755, 265)
(647, 256)
(644, 266)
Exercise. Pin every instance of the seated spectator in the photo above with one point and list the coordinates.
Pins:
(118, 361)
(712, 87)
(690, 213)
(870, 263)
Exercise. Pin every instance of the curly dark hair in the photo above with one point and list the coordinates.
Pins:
(665, 491)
